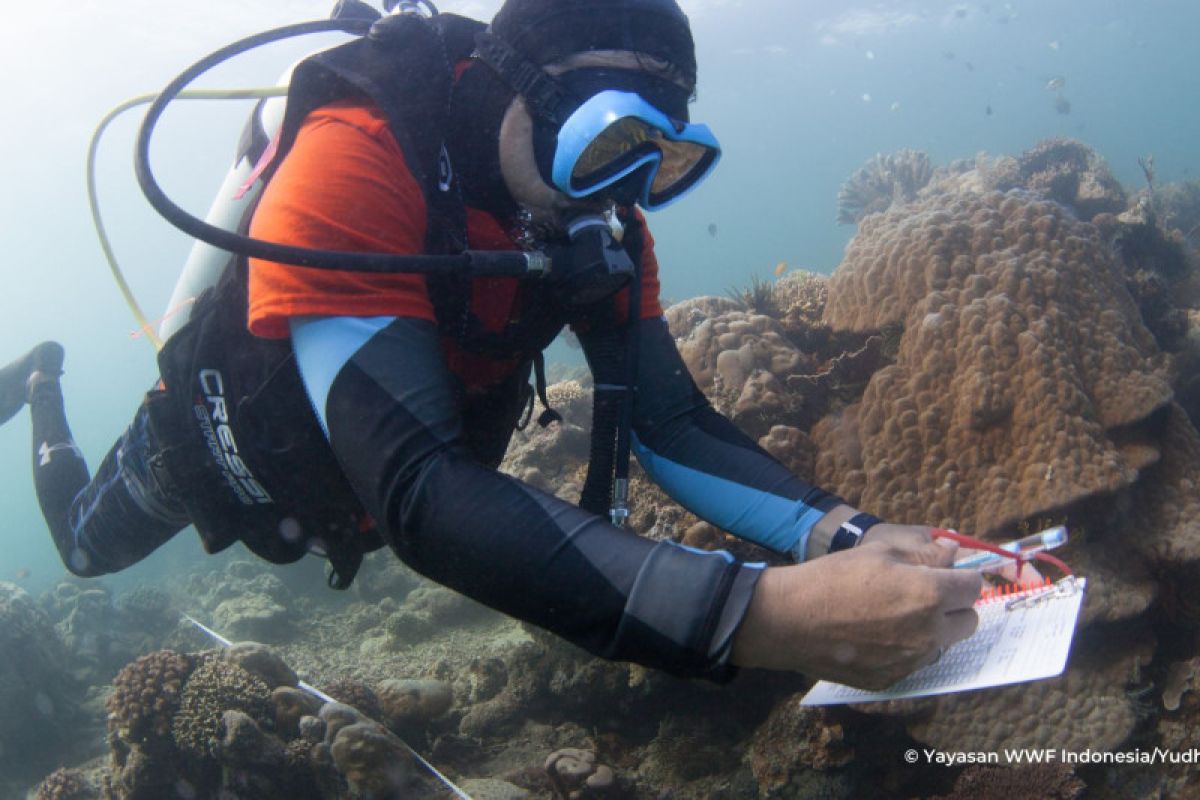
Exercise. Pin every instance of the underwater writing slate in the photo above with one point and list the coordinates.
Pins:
(1021, 637)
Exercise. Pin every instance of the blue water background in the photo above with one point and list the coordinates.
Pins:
(800, 95)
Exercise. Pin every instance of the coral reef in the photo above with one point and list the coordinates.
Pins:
(409, 702)
(1022, 359)
(38, 697)
(757, 298)
(373, 761)
(260, 660)
(1044, 781)
(1178, 206)
(549, 457)
(793, 740)
(881, 183)
(145, 698)
(214, 687)
(67, 784)
(742, 361)
(356, 694)
(1066, 171)
(254, 615)
(984, 358)
(574, 773)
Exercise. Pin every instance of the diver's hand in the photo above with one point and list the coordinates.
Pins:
(907, 543)
(866, 617)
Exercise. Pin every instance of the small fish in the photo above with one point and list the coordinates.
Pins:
(780, 268)
(948, 55)
(712, 229)
(1054, 45)
(894, 106)
(870, 55)
(1062, 105)
(22, 573)
(1056, 83)
(866, 97)
(988, 110)
(970, 67)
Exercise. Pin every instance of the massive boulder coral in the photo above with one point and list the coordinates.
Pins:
(549, 457)
(1022, 371)
(741, 360)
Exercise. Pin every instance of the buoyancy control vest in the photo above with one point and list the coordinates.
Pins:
(240, 434)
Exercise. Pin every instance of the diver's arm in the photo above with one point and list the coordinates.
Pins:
(386, 397)
(706, 464)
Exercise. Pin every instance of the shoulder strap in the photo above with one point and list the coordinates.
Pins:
(405, 66)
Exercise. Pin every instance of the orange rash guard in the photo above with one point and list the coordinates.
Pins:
(345, 185)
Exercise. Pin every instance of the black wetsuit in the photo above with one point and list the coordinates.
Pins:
(425, 472)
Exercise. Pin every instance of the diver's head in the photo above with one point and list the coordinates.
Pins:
(595, 103)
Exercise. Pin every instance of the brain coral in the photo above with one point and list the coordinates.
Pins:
(216, 686)
(145, 697)
(1022, 359)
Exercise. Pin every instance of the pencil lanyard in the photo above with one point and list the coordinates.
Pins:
(978, 544)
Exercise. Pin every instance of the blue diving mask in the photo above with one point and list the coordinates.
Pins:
(619, 134)
(627, 137)
(618, 139)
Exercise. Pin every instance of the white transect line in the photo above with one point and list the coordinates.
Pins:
(315, 692)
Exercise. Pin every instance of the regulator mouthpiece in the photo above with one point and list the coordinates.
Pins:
(593, 266)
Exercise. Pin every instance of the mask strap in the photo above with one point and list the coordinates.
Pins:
(544, 96)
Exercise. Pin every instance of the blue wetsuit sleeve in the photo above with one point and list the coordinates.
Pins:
(391, 410)
(703, 461)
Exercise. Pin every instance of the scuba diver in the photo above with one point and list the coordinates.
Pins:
(305, 408)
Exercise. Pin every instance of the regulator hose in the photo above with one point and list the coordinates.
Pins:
(474, 262)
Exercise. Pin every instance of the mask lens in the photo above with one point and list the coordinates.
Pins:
(679, 162)
(629, 140)
(613, 149)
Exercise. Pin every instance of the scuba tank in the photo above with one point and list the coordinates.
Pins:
(238, 193)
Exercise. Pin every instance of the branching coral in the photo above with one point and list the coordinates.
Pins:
(882, 182)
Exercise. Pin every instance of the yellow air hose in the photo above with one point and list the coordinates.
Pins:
(144, 324)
